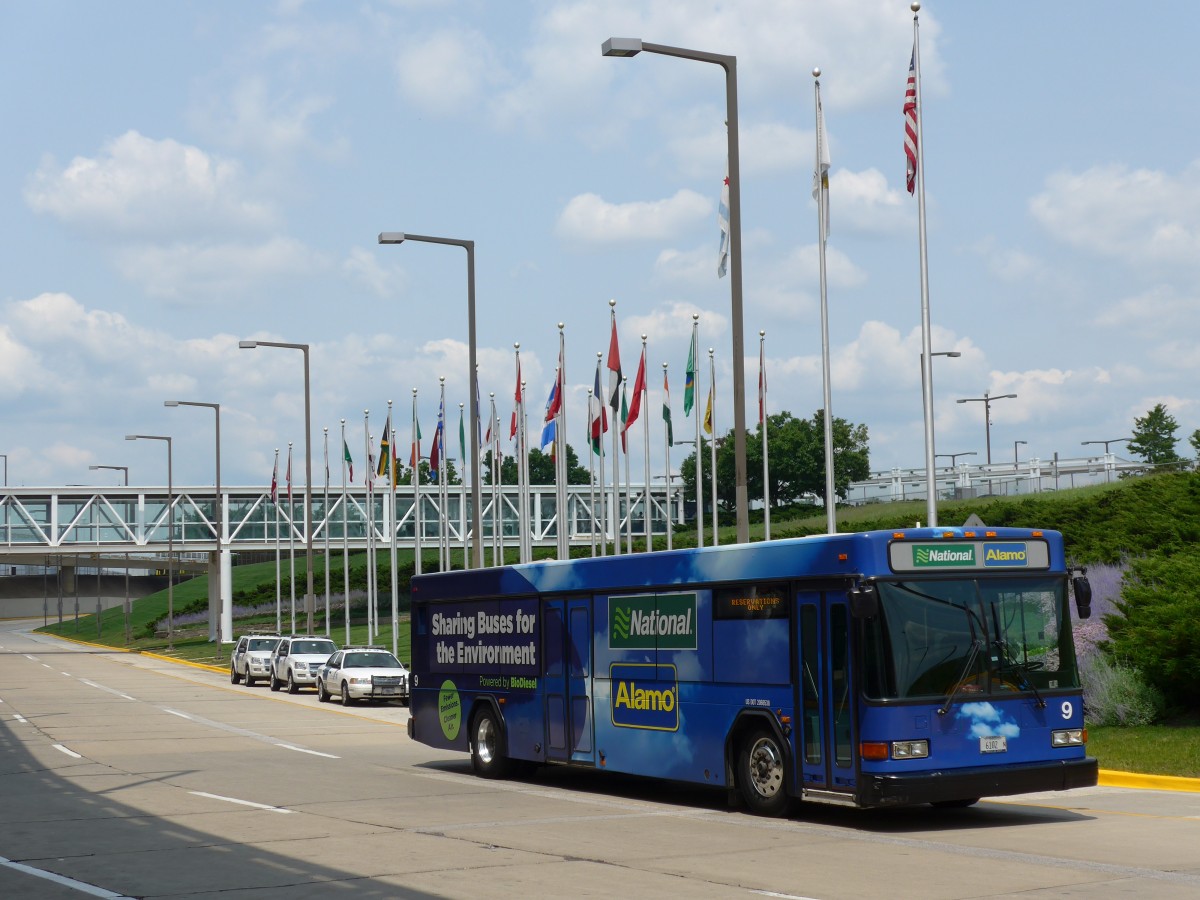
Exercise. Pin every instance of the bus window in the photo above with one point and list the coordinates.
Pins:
(750, 630)
(810, 675)
(839, 659)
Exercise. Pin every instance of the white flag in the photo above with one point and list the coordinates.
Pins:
(821, 171)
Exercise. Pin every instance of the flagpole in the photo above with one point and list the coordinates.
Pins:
(926, 345)
(625, 447)
(291, 538)
(667, 453)
(695, 351)
(646, 448)
(369, 518)
(392, 533)
(762, 419)
(345, 537)
(415, 459)
(614, 389)
(591, 478)
(439, 435)
(494, 433)
(326, 512)
(561, 468)
(278, 568)
(601, 494)
(822, 230)
(712, 447)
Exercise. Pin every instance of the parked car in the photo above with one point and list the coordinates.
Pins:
(363, 673)
(251, 657)
(296, 660)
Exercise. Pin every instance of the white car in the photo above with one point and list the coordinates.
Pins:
(296, 660)
(363, 673)
(251, 658)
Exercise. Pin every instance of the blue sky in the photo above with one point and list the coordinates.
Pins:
(179, 176)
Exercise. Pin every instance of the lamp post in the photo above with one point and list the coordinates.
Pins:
(955, 456)
(622, 47)
(987, 400)
(7, 536)
(170, 533)
(224, 629)
(399, 237)
(1016, 459)
(125, 470)
(1107, 468)
(308, 530)
(930, 466)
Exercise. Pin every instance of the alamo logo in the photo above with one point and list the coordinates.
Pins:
(652, 621)
(641, 698)
(1003, 555)
(926, 556)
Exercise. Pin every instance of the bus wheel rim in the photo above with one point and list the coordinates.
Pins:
(766, 768)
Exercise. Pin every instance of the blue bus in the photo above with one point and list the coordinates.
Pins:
(931, 665)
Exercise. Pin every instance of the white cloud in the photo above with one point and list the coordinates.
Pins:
(1139, 215)
(183, 270)
(252, 120)
(673, 321)
(591, 218)
(446, 72)
(363, 266)
(1157, 310)
(141, 187)
(864, 202)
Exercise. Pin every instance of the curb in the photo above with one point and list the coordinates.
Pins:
(1113, 778)
(182, 662)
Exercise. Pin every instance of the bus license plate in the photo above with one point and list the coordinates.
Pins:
(993, 744)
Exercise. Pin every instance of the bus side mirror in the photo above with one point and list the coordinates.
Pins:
(1083, 596)
(864, 601)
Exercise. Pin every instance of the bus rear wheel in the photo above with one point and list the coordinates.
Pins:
(761, 773)
(488, 754)
(954, 804)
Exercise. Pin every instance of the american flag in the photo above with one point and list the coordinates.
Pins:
(910, 122)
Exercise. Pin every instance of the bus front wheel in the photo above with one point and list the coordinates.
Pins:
(761, 774)
(488, 755)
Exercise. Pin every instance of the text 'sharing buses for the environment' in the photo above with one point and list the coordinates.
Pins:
(934, 665)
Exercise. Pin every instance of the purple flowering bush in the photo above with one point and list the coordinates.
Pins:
(1114, 692)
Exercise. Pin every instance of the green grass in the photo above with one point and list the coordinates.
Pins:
(1148, 749)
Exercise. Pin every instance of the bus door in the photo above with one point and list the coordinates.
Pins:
(825, 744)
(568, 680)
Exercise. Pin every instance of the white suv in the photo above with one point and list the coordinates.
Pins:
(363, 673)
(296, 660)
(251, 658)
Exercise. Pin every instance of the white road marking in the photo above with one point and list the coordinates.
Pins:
(34, 658)
(66, 751)
(20, 719)
(63, 880)
(303, 750)
(176, 713)
(277, 809)
(101, 687)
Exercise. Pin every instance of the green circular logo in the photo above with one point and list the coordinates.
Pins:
(449, 710)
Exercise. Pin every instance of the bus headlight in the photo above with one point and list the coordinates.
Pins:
(910, 749)
(1070, 737)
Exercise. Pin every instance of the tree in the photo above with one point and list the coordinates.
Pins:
(1154, 437)
(541, 468)
(797, 460)
(1194, 440)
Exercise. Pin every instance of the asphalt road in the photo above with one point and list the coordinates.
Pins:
(126, 776)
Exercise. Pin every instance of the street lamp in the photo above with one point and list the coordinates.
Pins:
(1107, 468)
(224, 630)
(954, 456)
(987, 400)
(1016, 459)
(125, 470)
(399, 237)
(170, 533)
(930, 456)
(4, 456)
(621, 47)
(308, 530)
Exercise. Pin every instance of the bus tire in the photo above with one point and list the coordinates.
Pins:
(954, 804)
(762, 773)
(489, 756)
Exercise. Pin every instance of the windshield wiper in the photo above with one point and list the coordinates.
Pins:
(976, 645)
(1011, 665)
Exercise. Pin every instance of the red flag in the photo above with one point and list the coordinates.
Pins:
(275, 480)
(614, 369)
(289, 475)
(512, 431)
(910, 122)
(639, 388)
(556, 393)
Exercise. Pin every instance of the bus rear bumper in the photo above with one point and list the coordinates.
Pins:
(962, 784)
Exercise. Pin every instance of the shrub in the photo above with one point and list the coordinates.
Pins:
(1105, 579)
(1116, 694)
(1157, 626)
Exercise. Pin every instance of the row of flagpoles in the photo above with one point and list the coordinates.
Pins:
(625, 411)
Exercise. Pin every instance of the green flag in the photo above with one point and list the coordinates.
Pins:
(689, 379)
(346, 456)
(667, 411)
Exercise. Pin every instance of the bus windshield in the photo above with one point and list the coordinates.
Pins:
(975, 636)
